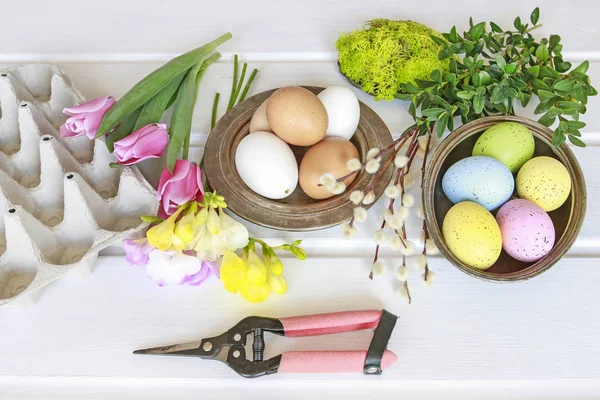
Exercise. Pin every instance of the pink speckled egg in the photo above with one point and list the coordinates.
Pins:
(527, 230)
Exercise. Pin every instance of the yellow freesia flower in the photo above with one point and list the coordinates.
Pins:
(233, 272)
(256, 271)
(277, 283)
(161, 235)
(255, 292)
(213, 223)
(185, 229)
(275, 265)
(202, 216)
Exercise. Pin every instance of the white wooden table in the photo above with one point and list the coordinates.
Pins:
(461, 338)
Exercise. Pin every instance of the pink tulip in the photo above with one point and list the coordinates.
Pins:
(147, 142)
(183, 185)
(85, 118)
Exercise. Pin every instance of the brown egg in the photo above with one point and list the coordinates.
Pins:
(259, 120)
(297, 116)
(330, 155)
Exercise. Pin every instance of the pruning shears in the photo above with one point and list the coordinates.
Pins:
(229, 347)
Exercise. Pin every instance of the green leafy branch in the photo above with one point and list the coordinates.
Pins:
(498, 70)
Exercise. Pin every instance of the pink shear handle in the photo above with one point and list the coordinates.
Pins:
(329, 361)
(325, 324)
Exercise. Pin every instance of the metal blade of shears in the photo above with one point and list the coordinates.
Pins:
(205, 348)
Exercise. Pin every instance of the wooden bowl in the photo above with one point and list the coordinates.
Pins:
(297, 212)
(567, 219)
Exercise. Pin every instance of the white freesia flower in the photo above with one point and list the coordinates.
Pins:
(420, 153)
(420, 212)
(422, 237)
(369, 198)
(357, 196)
(372, 153)
(400, 161)
(231, 236)
(170, 267)
(372, 166)
(353, 164)
(360, 214)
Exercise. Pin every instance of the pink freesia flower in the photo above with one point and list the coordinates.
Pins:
(169, 267)
(183, 185)
(85, 118)
(137, 251)
(147, 142)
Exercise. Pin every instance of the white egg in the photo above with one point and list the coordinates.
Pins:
(267, 165)
(343, 111)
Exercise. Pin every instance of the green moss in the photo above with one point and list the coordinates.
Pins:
(387, 53)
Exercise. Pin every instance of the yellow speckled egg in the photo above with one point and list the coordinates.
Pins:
(508, 142)
(545, 181)
(472, 235)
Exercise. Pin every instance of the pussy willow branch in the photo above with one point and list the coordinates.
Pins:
(426, 233)
(406, 134)
(409, 133)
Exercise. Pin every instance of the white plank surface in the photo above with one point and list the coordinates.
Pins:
(461, 338)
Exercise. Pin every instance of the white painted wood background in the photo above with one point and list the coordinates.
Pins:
(461, 338)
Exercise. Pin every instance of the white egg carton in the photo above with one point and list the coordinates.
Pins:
(60, 202)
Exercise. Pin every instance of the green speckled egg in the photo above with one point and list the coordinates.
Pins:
(509, 142)
(472, 235)
(545, 181)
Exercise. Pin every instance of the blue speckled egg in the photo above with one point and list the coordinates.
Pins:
(481, 179)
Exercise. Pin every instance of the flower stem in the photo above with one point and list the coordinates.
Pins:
(248, 84)
(425, 231)
(213, 119)
(234, 83)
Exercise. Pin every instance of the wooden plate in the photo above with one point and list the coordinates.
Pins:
(297, 212)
